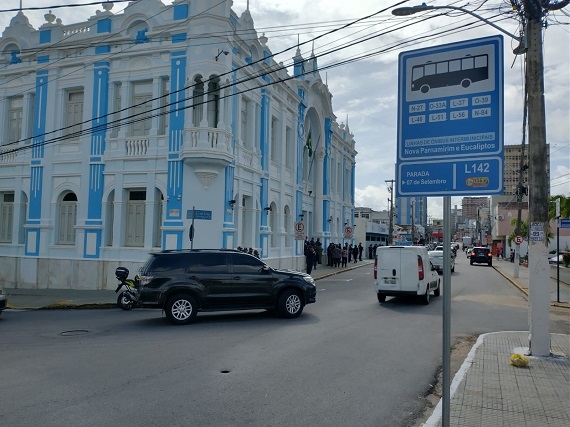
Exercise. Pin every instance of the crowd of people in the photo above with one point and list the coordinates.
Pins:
(337, 255)
(250, 251)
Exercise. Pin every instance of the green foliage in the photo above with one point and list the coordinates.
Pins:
(524, 230)
(564, 206)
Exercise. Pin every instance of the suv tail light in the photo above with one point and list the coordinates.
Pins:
(375, 268)
(145, 280)
(420, 268)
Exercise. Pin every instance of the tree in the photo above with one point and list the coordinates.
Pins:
(564, 206)
(524, 229)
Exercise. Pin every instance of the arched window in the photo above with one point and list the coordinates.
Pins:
(6, 216)
(67, 217)
(197, 99)
(213, 103)
(287, 226)
(273, 219)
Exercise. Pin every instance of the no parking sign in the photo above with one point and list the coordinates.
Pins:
(299, 231)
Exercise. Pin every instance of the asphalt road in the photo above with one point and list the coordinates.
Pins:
(346, 360)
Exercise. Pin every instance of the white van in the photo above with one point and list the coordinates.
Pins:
(404, 270)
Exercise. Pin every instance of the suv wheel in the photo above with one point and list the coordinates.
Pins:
(290, 304)
(381, 297)
(437, 291)
(181, 309)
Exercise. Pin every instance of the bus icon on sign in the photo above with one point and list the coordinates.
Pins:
(453, 72)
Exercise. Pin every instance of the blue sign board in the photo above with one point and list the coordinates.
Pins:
(450, 119)
(197, 214)
(564, 223)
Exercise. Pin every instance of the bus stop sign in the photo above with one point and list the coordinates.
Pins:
(450, 119)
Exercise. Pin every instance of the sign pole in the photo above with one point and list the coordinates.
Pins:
(192, 228)
(446, 346)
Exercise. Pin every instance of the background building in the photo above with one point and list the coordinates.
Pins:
(120, 133)
(512, 168)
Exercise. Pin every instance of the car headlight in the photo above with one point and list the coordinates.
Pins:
(309, 279)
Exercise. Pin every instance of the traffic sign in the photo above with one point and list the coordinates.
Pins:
(564, 223)
(299, 230)
(450, 119)
(348, 232)
(518, 239)
(198, 214)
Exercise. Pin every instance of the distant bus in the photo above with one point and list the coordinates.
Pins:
(453, 72)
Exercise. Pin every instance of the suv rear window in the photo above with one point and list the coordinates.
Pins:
(167, 263)
(208, 263)
(246, 264)
(481, 251)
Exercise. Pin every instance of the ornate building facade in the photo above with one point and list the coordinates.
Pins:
(132, 132)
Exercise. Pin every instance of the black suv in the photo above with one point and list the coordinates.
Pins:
(481, 255)
(187, 281)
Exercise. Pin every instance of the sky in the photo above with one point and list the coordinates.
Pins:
(365, 91)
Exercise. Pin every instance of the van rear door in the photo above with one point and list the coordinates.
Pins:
(409, 276)
(388, 268)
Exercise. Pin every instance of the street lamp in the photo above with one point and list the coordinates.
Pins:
(406, 11)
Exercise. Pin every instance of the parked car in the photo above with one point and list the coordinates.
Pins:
(404, 271)
(3, 303)
(436, 258)
(557, 259)
(187, 281)
(468, 251)
(481, 255)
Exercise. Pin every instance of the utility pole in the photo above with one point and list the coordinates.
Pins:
(538, 269)
(391, 222)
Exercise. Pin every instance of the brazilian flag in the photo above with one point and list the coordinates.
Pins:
(309, 144)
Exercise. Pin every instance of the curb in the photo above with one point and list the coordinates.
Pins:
(525, 291)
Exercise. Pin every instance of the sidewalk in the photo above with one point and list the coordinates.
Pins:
(25, 299)
(488, 391)
(561, 292)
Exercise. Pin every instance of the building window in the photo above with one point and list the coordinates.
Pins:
(197, 100)
(275, 147)
(213, 104)
(243, 129)
(67, 217)
(289, 148)
(273, 217)
(73, 114)
(15, 113)
(287, 221)
(135, 218)
(141, 106)
(6, 217)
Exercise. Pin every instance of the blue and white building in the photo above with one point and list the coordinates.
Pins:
(115, 130)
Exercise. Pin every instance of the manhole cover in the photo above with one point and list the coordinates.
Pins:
(74, 332)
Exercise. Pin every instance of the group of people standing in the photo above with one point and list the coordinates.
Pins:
(337, 255)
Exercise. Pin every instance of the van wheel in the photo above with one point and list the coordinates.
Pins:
(181, 309)
(425, 297)
(381, 297)
(437, 291)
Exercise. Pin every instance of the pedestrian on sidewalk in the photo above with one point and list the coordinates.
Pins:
(337, 255)
(344, 256)
(355, 253)
(360, 250)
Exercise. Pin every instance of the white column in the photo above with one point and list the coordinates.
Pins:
(156, 100)
(319, 158)
(124, 128)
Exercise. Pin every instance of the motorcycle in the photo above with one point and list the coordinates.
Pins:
(128, 298)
